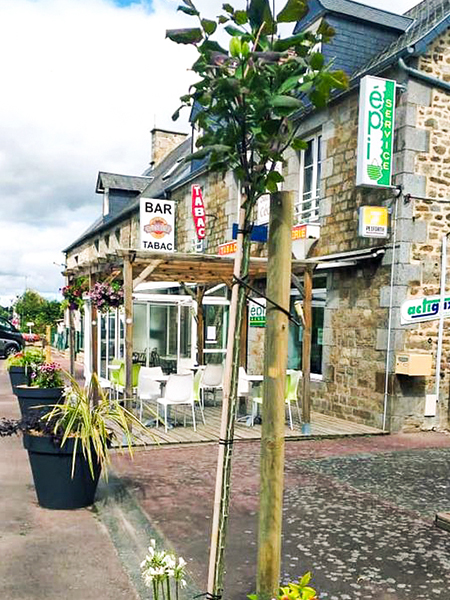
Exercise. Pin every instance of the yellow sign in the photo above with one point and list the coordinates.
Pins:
(228, 248)
(373, 221)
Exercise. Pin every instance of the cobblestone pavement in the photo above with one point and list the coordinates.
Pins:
(358, 513)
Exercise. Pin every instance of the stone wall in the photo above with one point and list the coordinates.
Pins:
(163, 142)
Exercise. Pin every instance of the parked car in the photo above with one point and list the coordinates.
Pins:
(11, 340)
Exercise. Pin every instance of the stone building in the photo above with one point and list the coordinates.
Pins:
(360, 284)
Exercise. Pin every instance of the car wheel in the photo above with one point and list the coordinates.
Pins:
(11, 349)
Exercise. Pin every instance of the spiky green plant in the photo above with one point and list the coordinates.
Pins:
(96, 423)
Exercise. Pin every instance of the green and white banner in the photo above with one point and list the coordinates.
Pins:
(375, 132)
(425, 308)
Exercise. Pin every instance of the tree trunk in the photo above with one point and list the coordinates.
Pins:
(222, 490)
(128, 302)
(306, 353)
(273, 408)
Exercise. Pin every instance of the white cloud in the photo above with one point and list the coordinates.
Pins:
(83, 82)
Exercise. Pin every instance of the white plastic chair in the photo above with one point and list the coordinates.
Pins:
(179, 390)
(148, 388)
(184, 366)
(244, 387)
(212, 380)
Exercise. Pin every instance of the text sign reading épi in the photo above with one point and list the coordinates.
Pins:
(157, 225)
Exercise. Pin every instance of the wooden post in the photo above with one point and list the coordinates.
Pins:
(128, 302)
(48, 343)
(94, 331)
(306, 352)
(201, 289)
(273, 408)
(71, 344)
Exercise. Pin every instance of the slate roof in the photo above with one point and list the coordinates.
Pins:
(113, 181)
(367, 13)
(155, 187)
(430, 18)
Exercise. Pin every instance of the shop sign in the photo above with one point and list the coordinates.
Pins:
(375, 132)
(198, 212)
(227, 249)
(263, 209)
(157, 225)
(422, 309)
(257, 313)
(373, 222)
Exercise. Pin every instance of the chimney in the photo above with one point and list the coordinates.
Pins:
(163, 142)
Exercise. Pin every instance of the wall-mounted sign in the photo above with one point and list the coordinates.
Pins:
(257, 313)
(263, 209)
(227, 248)
(373, 222)
(375, 131)
(198, 212)
(157, 225)
(306, 230)
(422, 309)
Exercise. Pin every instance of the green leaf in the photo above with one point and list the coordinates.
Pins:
(231, 30)
(286, 102)
(189, 3)
(275, 176)
(289, 42)
(176, 114)
(241, 17)
(319, 99)
(258, 13)
(326, 31)
(235, 46)
(306, 86)
(252, 597)
(189, 11)
(288, 84)
(209, 26)
(212, 46)
(307, 576)
(223, 19)
(299, 144)
(185, 36)
(293, 11)
(228, 8)
(308, 593)
(316, 61)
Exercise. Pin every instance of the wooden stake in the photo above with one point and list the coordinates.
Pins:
(273, 408)
(48, 344)
(306, 352)
(201, 289)
(128, 302)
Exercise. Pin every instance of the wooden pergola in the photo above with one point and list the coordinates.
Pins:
(135, 267)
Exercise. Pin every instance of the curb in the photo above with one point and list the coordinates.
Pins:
(131, 531)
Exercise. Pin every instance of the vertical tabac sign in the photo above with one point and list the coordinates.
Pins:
(198, 212)
(375, 132)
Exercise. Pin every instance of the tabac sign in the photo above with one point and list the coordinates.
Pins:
(198, 212)
(375, 132)
(157, 225)
(426, 308)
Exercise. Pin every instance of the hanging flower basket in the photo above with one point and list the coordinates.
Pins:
(73, 293)
(106, 296)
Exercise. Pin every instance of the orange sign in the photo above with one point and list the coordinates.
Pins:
(228, 248)
(299, 232)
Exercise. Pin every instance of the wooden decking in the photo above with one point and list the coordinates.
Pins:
(321, 426)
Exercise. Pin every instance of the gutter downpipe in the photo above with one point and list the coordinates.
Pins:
(423, 76)
(391, 300)
(441, 313)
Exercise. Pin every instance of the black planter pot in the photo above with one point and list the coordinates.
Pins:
(51, 466)
(18, 376)
(30, 397)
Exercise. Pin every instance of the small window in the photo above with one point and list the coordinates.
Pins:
(97, 244)
(307, 207)
(107, 241)
(117, 234)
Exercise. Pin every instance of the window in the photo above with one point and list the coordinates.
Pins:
(307, 207)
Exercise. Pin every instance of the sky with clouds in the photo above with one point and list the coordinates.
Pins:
(83, 83)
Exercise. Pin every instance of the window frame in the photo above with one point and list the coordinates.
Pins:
(316, 195)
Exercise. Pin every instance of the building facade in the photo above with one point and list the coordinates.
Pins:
(361, 285)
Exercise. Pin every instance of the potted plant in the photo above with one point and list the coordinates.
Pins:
(73, 293)
(46, 387)
(107, 295)
(20, 366)
(70, 445)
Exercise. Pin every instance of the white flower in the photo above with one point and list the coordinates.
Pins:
(183, 583)
(181, 562)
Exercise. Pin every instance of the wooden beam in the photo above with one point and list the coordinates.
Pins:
(146, 272)
(94, 336)
(128, 302)
(273, 407)
(306, 351)
(71, 344)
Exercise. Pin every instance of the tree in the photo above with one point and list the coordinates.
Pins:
(32, 307)
(248, 102)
